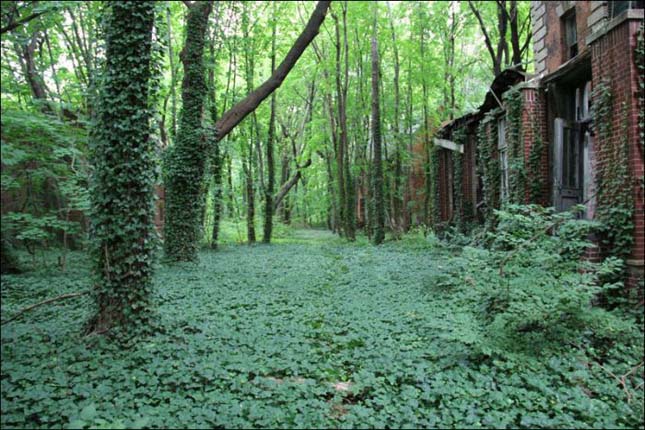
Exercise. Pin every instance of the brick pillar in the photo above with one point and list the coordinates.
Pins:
(613, 61)
(534, 132)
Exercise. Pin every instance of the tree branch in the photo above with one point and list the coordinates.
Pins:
(15, 24)
(288, 185)
(237, 113)
(487, 39)
(44, 302)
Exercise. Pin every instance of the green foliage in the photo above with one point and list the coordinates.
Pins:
(185, 161)
(123, 154)
(44, 177)
(259, 336)
(614, 187)
(515, 142)
(460, 208)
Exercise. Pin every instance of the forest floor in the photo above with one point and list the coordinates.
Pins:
(310, 332)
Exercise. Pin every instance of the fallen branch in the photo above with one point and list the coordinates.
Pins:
(44, 302)
(622, 380)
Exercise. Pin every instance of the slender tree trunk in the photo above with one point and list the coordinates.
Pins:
(340, 153)
(268, 193)
(377, 175)
(397, 194)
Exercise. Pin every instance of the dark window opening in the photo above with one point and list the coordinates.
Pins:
(570, 35)
(618, 7)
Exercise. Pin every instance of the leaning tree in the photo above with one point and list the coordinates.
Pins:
(185, 163)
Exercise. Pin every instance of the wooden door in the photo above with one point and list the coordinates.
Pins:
(568, 164)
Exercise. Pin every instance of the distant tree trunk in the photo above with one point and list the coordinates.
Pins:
(285, 208)
(377, 175)
(427, 210)
(268, 192)
(185, 160)
(397, 192)
(342, 156)
(250, 197)
(124, 232)
(26, 53)
(216, 159)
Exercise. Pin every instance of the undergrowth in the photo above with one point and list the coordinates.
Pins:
(312, 332)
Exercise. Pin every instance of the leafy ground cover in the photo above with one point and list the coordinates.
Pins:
(310, 332)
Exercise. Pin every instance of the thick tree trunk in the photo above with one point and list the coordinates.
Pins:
(124, 232)
(185, 162)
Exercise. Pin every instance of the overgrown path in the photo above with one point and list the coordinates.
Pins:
(315, 333)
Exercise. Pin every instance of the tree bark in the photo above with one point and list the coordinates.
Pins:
(185, 162)
(377, 174)
(268, 192)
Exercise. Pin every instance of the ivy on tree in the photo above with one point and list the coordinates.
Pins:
(185, 161)
(124, 172)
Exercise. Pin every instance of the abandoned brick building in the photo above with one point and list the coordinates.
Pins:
(562, 130)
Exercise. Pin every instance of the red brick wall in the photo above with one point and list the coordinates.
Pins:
(534, 126)
(613, 59)
(554, 39)
(442, 185)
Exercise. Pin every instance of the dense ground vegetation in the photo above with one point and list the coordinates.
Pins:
(128, 128)
(321, 333)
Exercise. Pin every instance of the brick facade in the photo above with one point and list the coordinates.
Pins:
(534, 132)
(605, 52)
(613, 62)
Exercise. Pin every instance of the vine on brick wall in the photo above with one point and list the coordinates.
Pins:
(536, 185)
(434, 186)
(459, 137)
(489, 169)
(516, 165)
(615, 200)
(639, 59)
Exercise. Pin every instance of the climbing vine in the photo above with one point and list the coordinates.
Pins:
(639, 59)
(516, 165)
(536, 153)
(185, 161)
(459, 137)
(615, 204)
(435, 192)
(489, 169)
(123, 156)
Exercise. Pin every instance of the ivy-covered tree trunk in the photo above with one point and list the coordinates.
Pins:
(184, 167)
(377, 173)
(124, 166)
